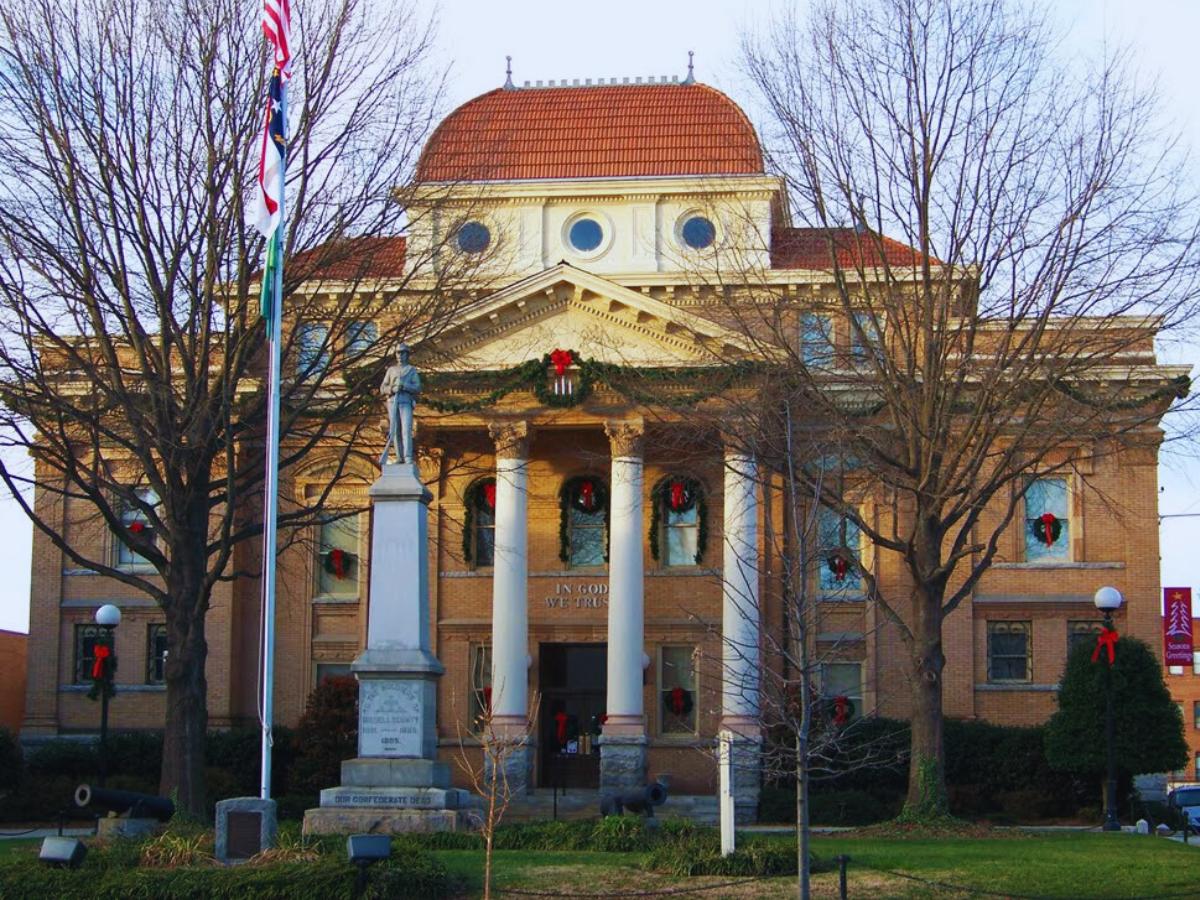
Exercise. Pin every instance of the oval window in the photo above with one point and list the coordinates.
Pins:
(474, 237)
(585, 235)
(698, 232)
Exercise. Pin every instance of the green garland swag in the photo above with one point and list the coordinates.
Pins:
(471, 499)
(566, 496)
(633, 382)
(658, 499)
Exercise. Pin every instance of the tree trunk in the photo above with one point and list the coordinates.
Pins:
(927, 796)
(187, 703)
(802, 818)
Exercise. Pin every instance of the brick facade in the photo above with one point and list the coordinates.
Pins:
(628, 301)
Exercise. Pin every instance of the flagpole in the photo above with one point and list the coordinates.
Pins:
(271, 500)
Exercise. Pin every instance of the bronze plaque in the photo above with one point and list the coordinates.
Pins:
(243, 831)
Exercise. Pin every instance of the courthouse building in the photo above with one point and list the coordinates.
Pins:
(590, 548)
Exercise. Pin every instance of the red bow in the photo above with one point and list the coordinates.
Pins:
(677, 700)
(489, 494)
(137, 527)
(487, 698)
(677, 492)
(841, 710)
(1106, 640)
(560, 359)
(1048, 520)
(337, 558)
(560, 727)
(838, 564)
(587, 495)
(102, 652)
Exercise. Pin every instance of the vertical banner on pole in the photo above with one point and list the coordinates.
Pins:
(725, 765)
(1177, 626)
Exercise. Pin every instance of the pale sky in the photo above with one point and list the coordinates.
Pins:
(651, 37)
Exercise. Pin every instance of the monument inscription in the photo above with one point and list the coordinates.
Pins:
(389, 718)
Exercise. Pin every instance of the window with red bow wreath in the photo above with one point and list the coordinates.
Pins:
(480, 497)
(338, 562)
(1047, 528)
(840, 710)
(840, 565)
(678, 493)
(585, 493)
(678, 702)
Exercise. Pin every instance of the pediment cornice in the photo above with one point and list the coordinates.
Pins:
(570, 308)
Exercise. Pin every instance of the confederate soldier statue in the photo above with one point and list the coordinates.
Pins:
(401, 385)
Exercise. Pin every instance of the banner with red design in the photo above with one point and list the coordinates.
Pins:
(1177, 626)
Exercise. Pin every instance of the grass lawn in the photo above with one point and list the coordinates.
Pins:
(23, 846)
(1057, 865)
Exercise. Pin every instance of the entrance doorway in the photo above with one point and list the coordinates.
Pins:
(572, 679)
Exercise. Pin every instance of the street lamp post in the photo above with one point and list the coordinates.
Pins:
(1108, 600)
(108, 617)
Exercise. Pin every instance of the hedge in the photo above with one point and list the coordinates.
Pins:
(991, 770)
(110, 873)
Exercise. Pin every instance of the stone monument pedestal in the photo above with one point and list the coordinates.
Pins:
(396, 783)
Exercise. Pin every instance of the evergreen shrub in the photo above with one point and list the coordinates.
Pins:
(1149, 726)
(112, 872)
(992, 770)
(10, 760)
(326, 735)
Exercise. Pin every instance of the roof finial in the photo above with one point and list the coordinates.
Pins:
(691, 76)
(508, 82)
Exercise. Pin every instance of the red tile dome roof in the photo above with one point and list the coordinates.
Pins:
(605, 131)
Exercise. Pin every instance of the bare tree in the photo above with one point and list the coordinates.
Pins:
(132, 366)
(811, 733)
(488, 777)
(1048, 236)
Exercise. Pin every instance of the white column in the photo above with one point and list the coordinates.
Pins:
(510, 577)
(740, 613)
(625, 590)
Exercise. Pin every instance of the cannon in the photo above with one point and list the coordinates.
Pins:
(639, 800)
(129, 804)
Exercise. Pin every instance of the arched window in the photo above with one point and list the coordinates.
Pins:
(479, 523)
(583, 522)
(678, 521)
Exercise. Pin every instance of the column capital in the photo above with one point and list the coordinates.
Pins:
(511, 437)
(625, 436)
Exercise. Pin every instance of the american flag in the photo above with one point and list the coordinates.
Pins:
(277, 26)
(273, 160)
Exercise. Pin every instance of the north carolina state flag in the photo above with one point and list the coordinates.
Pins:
(1177, 626)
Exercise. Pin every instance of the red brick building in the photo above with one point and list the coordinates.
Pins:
(1184, 683)
(603, 201)
(13, 645)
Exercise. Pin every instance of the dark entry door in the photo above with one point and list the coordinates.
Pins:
(572, 679)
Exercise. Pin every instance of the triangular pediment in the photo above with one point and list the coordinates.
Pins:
(568, 308)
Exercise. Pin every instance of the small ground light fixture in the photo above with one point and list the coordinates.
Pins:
(364, 849)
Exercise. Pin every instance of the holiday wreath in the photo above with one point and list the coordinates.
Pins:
(586, 494)
(338, 563)
(677, 701)
(1046, 528)
(678, 493)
